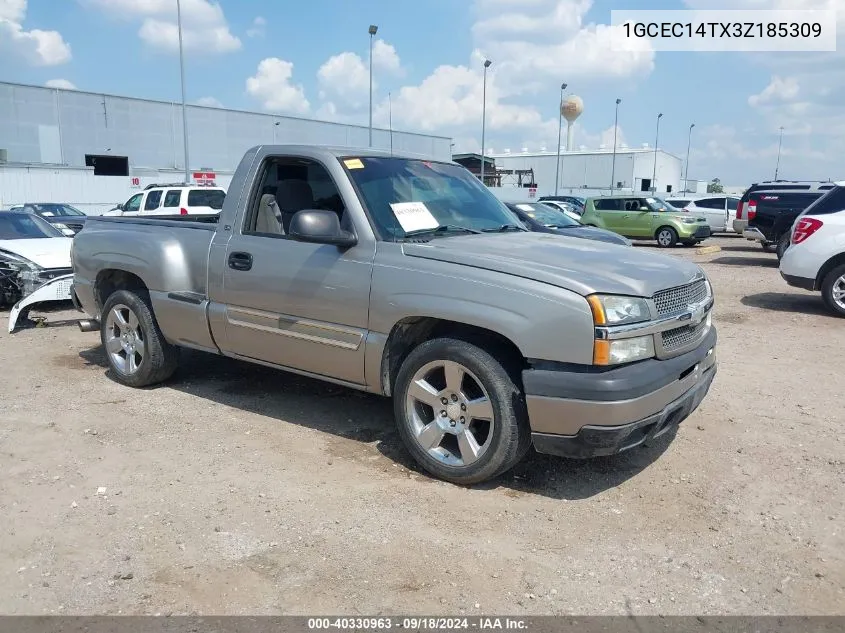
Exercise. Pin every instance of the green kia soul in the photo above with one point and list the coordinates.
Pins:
(645, 218)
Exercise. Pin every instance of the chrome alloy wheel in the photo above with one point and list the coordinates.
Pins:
(124, 340)
(450, 413)
(837, 292)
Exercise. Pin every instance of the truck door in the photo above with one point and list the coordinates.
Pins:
(289, 303)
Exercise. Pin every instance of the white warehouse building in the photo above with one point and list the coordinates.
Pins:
(589, 172)
(51, 138)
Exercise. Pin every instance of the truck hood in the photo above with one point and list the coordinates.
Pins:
(47, 252)
(579, 265)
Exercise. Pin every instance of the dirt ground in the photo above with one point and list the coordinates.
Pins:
(240, 490)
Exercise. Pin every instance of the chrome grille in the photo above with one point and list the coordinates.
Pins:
(675, 300)
(683, 336)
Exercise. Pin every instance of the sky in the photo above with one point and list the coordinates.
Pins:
(312, 59)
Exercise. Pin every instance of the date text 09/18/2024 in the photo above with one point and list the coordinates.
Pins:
(417, 623)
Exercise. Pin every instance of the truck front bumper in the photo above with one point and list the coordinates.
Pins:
(589, 413)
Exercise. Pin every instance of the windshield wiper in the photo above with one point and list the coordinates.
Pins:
(443, 228)
(506, 227)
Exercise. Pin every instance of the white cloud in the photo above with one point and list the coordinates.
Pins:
(258, 27)
(779, 89)
(13, 10)
(271, 85)
(62, 84)
(36, 47)
(344, 75)
(210, 102)
(204, 26)
(533, 45)
(385, 57)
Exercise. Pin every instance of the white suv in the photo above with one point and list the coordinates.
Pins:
(172, 200)
(815, 257)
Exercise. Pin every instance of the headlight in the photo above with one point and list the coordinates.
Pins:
(618, 310)
(624, 350)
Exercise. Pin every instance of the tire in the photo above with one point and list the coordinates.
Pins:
(833, 290)
(783, 244)
(137, 352)
(769, 247)
(666, 237)
(497, 443)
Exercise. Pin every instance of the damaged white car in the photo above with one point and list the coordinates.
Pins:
(34, 264)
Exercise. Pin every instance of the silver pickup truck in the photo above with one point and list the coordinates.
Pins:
(407, 278)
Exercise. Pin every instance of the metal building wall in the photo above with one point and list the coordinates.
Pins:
(49, 126)
(581, 171)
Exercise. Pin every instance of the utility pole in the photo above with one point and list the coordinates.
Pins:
(182, 73)
(559, 130)
(613, 164)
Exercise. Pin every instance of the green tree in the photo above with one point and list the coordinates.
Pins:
(715, 186)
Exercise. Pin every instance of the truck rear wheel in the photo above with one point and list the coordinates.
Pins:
(459, 412)
(783, 244)
(138, 354)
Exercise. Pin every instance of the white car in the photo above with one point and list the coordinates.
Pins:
(815, 257)
(35, 263)
(720, 210)
(172, 200)
(567, 208)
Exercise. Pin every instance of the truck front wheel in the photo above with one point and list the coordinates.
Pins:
(138, 354)
(459, 412)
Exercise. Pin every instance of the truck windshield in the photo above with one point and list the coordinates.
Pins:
(407, 195)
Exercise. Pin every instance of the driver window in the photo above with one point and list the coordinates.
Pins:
(134, 203)
(286, 186)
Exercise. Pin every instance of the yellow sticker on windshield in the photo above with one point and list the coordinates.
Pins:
(354, 163)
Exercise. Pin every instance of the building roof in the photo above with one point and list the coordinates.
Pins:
(584, 152)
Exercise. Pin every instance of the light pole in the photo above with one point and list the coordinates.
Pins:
(373, 31)
(656, 138)
(686, 174)
(613, 164)
(559, 129)
(182, 75)
(780, 142)
(487, 64)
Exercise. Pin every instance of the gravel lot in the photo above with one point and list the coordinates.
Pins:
(239, 490)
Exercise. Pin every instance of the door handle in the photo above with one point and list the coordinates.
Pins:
(240, 261)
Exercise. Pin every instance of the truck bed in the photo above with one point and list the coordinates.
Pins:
(203, 221)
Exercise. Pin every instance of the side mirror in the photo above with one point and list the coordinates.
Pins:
(319, 226)
(119, 206)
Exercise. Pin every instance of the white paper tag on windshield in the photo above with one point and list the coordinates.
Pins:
(524, 207)
(47, 214)
(414, 216)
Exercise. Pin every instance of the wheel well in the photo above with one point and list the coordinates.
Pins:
(110, 281)
(833, 262)
(410, 332)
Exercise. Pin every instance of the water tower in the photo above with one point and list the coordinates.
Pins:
(571, 109)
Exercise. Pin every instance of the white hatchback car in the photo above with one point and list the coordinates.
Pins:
(815, 257)
(172, 200)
